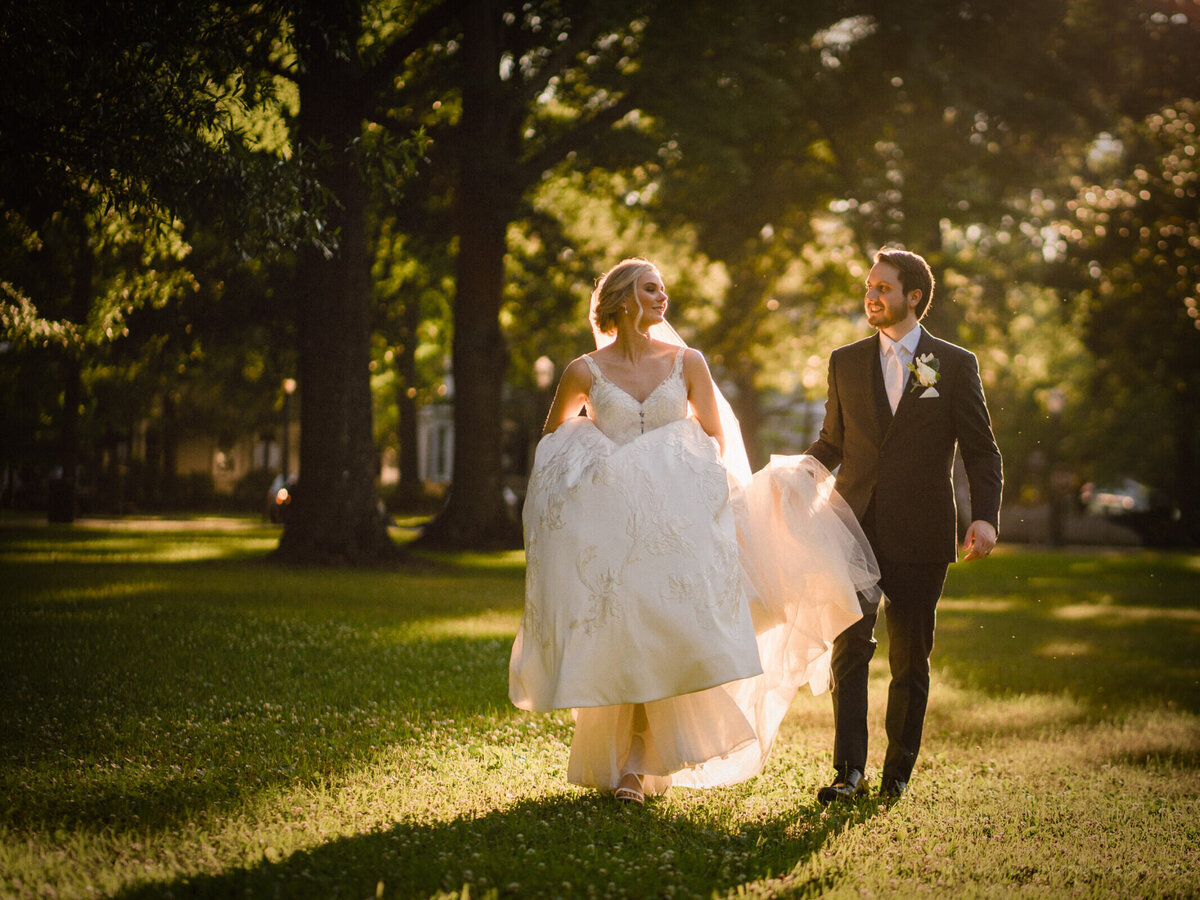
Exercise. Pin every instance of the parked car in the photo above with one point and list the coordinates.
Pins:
(1121, 499)
(279, 497)
(1149, 513)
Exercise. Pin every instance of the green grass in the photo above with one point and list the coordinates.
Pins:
(181, 719)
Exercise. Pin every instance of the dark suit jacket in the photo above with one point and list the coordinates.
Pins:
(896, 470)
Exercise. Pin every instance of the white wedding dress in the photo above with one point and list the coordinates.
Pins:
(673, 605)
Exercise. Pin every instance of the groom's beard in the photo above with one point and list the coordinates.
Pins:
(887, 318)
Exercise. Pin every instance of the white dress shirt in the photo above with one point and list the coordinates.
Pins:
(894, 357)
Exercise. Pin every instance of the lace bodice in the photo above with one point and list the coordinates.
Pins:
(622, 418)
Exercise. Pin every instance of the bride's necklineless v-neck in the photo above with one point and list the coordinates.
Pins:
(632, 396)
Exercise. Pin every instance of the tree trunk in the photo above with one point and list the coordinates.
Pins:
(476, 516)
(170, 452)
(1187, 484)
(335, 516)
(64, 492)
(406, 403)
(63, 504)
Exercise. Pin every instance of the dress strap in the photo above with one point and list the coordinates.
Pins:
(678, 367)
(598, 375)
(595, 369)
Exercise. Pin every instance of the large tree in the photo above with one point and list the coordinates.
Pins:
(345, 74)
(574, 84)
(121, 111)
(488, 71)
(91, 271)
(537, 86)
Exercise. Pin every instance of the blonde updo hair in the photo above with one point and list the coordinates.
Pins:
(614, 288)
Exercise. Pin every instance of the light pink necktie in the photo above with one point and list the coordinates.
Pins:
(893, 377)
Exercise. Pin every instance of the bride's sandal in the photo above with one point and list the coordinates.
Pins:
(630, 789)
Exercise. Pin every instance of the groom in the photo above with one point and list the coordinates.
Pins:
(899, 402)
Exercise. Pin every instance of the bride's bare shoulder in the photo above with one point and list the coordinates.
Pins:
(577, 373)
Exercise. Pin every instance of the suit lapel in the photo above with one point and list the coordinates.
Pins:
(924, 345)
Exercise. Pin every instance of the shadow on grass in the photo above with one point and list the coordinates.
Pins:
(1124, 577)
(1166, 759)
(557, 847)
(144, 707)
(1113, 635)
(145, 687)
(1105, 666)
(145, 695)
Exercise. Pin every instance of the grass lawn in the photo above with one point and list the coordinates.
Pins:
(180, 719)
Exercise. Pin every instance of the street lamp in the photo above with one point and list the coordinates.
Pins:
(289, 388)
(543, 372)
(543, 381)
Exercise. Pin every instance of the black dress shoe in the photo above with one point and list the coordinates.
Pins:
(845, 789)
(892, 788)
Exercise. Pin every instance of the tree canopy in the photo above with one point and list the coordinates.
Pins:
(404, 176)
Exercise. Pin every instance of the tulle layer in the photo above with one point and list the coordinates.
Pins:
(657, 740)
(809, 573)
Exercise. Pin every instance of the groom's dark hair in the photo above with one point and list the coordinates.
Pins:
(915, 275)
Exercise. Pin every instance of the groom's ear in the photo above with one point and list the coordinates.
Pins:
(914, 297)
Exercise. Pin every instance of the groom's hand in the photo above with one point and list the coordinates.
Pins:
(980, 539)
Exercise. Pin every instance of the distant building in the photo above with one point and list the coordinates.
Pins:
(227, 463)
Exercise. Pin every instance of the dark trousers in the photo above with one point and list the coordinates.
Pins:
(912, 591)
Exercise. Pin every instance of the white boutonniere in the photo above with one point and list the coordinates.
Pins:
(925, 374)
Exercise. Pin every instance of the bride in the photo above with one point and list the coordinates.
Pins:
(673, 601)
